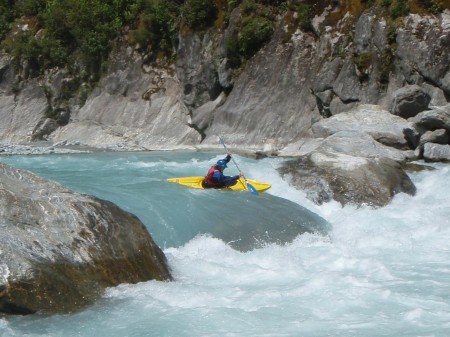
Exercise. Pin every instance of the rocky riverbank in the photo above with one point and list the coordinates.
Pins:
(40, 148)
(354, 157)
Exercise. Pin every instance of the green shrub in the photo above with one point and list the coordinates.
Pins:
(399, 8)
(6, 18)
(363, 61)
(29, 7)
(233, 4)
(254, 34)
(434, 6)
(304, 16)
(248, 7)
(42, 53)
(199, 14)
(159, 25)
(233, 51)
(87, 25)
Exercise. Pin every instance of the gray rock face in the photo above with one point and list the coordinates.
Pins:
(136, 105)
(270, 101)
(363, 32)
(198, 74)
(326, 176)
(409, 101)
(360, 144)
(439, 136)
(291, 83)
(423, 49)
(350, 167)
(431, 126)
(19, 115)
(347, 86)
(437, 118)
(436, 152)
(378, 123)
(60, 249)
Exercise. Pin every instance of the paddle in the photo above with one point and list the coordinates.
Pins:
(250, 187)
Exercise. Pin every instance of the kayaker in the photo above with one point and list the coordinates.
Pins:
(215, 177)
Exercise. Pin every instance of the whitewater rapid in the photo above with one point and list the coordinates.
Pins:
(378, 272)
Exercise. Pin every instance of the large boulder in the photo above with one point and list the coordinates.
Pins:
(360, 144)
(409, 101)
(431, 126)
(434, 119)
(60, 249)
(372, 119)
(326, 175)
(436, 152)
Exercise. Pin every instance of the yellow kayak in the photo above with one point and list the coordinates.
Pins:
(241, 184)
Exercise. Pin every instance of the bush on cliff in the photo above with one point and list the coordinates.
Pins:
(199, 14)
(87, 26)
(157, 25)
(254, 33)
(78, 33)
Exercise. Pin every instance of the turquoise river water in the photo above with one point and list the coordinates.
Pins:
(378, 272)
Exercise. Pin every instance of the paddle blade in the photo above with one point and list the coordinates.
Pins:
(251, 188)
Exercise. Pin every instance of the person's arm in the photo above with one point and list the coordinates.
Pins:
(227, 158)
(223, 180)
(230, 180)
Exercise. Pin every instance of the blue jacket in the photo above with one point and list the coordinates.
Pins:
(215, 178)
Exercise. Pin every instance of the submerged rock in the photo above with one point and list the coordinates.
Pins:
(60, 249)
(242, 220)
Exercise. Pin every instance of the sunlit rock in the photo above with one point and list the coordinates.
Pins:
(326, 175)
(372, 119)
(60, 249)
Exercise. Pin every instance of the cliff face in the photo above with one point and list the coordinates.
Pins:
(297, 79)
(135, 105)
(290, 85)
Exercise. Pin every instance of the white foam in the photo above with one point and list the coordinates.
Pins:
(379, 272)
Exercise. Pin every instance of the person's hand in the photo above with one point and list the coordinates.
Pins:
(229, 153)
(241, 174)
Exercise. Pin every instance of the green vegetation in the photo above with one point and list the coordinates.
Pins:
(434, 6)
(158, 25)
(363, 63)
(61, 33)
(304, 16)
(399, 8)
(199, 14)
(255, 29)
(254, 33)
(78, 34)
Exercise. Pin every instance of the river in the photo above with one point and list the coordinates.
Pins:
(378, 272)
